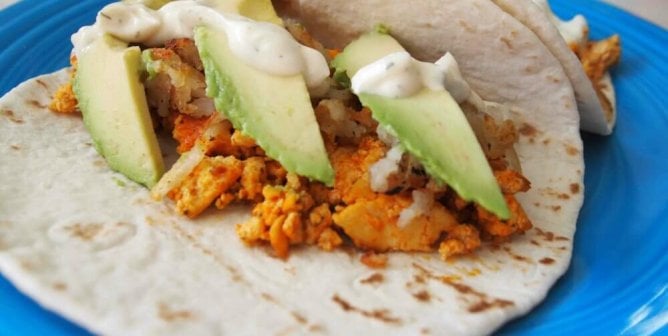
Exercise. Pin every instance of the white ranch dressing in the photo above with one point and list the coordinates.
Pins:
(423, 201)
(574, 31)
(399, 75)
(262, 45)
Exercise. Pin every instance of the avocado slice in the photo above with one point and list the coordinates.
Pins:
(152, 4)
(431, 126)
(258, 10)
(113, 103)
(276, 111)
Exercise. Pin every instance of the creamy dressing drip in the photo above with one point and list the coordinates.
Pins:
(262, 45)
(399, 75)
(574, 31)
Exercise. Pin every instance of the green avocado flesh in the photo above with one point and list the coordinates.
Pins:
(152, 4)
(276, 111)
(258, 10)
(113, 104)
(431, 126)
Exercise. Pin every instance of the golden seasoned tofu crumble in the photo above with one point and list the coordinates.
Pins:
(289, 210)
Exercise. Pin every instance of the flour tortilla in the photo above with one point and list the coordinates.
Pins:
(501, 58)
(593, 117)
(91, 245)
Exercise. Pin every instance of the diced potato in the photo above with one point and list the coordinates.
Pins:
(373, 225)
(208, 181)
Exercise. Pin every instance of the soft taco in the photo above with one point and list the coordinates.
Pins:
(586, 62)
(345, 173)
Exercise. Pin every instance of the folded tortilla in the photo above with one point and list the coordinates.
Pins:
(595, 116)
(91, 245)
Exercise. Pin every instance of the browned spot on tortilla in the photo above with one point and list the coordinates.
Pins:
(516, 256)
(170, 315)
(528, 130)
(506, 41)
(268, 297)
(555, 193)
(529, 69)
(450, 278)
(514, 33)
(482, 301)
(473, 272)
(536, 204)
(373, 278)
(85, 232)
(556, 208)
(466, 26)
(315, 328)
(553, 79)
(35, 103)
(575, 188)
(563, 248)
(40, 82)
(571, 150)
(546, 142)
(99, 163)
(535, 242)
(547, 235)
(419, 279)
(59, 286)
(378, 314)
(547, 261)
(15, 147)
(9, 114)
(561, 238)
(299, 317)
(422, 296)
(236, 274)
(484, 305)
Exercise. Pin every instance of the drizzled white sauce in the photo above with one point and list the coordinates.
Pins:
(381, 170)
(574, 31)
(262, 45)
(423, 201)
(399, 75)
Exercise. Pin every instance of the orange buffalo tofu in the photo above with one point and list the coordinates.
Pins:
(372, 225)
(208, 181)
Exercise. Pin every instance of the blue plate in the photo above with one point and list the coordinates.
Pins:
(618, 279)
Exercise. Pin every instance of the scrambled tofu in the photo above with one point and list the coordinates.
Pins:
(210, 178)
(288, 210)
(597, 57)
(64, 101)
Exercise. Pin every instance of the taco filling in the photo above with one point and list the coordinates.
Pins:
(385, 192)
(597, 57)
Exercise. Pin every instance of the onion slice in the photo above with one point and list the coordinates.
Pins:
(179, 171)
